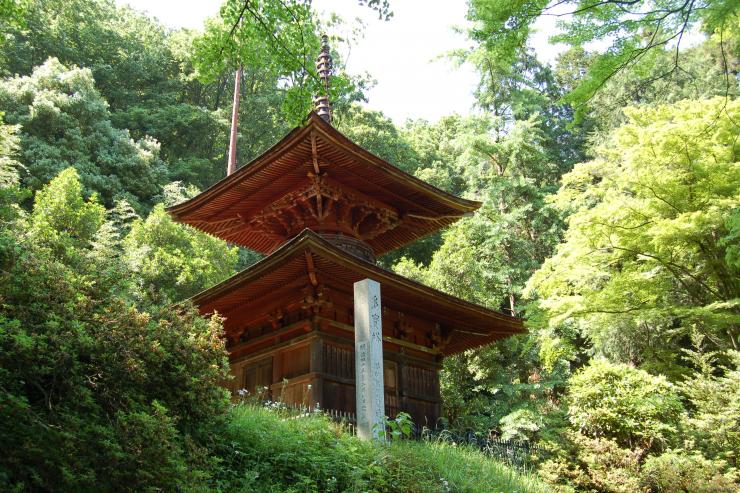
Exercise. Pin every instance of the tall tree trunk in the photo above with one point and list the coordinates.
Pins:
(502, 209)
(512, 298)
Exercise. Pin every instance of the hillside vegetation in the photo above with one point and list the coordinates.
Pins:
(610, 222)
(261, 451)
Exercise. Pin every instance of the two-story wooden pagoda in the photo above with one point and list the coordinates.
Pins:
(321, 209)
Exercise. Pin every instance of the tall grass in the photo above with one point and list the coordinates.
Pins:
(464, 468)
(263, 451)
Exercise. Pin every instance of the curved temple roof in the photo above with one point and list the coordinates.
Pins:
(471, 325)
(315, 154)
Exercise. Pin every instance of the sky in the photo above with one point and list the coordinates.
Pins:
(402, 54)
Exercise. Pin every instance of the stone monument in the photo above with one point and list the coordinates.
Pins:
(369, 360)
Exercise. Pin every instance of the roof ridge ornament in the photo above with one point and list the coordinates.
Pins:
(324, 66)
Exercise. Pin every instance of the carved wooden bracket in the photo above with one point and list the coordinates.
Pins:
(315, 299)
(326, 206)
(234, 337)
(276, 318)
(405, 330)
(440, 336)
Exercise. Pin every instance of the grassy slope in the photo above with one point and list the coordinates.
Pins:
(262, 452)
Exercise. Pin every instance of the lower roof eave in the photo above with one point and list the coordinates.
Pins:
(488, 325)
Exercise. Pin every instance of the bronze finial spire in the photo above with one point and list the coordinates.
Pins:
(324, 67)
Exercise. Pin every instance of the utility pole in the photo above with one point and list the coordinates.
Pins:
(231, 166)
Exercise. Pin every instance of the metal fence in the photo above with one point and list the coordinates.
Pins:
(513, 452)
(346, 419)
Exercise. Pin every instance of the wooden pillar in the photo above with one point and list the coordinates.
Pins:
(277, 375)
(403, 393)
(369, 359)
(317, 369)
(438, 396)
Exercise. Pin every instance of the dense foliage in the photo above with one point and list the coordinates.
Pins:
(64, 121)
(624, 404)
(644, 261)
(97, 391)
(175, 262)
(609, 183)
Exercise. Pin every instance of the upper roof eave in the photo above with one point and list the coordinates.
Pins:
(295, 136)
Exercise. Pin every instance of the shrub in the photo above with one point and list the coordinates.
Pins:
(593, 464)
(522, 424)
(678, 471)
(630, 406)
(609, 467)
(96, 394)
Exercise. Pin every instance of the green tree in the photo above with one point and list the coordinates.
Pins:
(65, 122)
(712, 391)
(643, 262)
(127, 52)
(376, 133)
(173, 260)
(10, 191)
(12, 15)
(634, 31)
(61, 217)
(147, 75)
(96, 394)
(702, 75)
(278, 38)
(513, 232)
(487, 259)
(511, 159)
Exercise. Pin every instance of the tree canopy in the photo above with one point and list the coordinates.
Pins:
(64, 121)
(609, 222)
(644, 261)
(631, 31)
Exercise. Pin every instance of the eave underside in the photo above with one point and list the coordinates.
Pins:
(309, 262)
(306, 154)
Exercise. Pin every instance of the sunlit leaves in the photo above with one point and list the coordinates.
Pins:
(61, 214)
(622, 34)
(630, 406)
(175, 261)
(646, 248)
(64, 121)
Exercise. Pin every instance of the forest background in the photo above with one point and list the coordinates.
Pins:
(610, 222)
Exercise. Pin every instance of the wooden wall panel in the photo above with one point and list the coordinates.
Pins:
(339, 361)
(339, 396)
(423, 413)
(421, 382)
(410, 376)
(294, 391)
(295, 362)
(258, 377)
